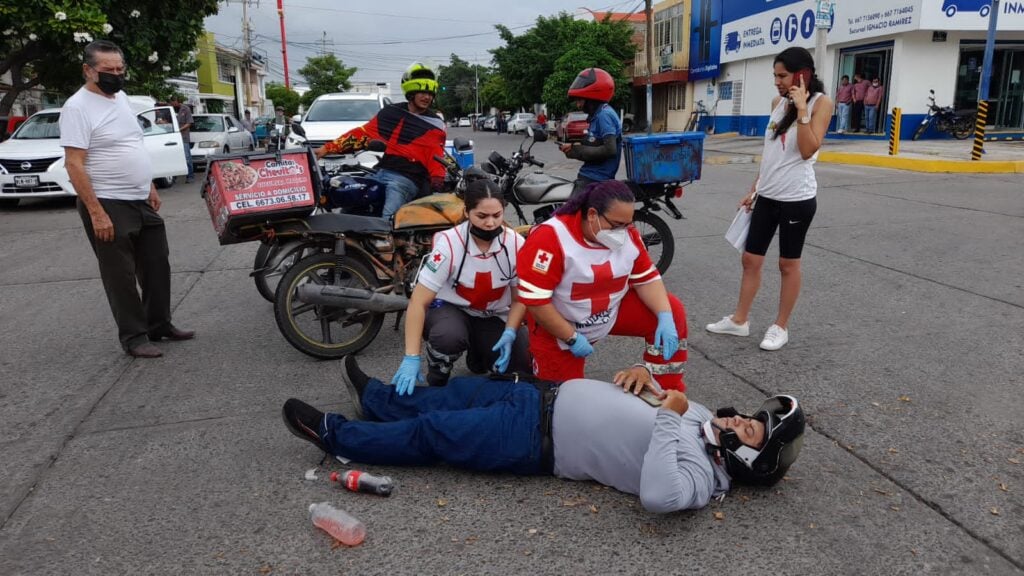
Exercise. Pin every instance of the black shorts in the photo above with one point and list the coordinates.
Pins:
(791, 218)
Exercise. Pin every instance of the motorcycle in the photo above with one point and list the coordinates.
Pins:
(349, 188)
(959, 124)
(550, 192)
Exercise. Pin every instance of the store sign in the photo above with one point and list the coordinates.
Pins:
(970, 14)
(705, 38)
(788, 24)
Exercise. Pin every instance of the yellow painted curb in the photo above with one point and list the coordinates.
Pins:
(923, 164)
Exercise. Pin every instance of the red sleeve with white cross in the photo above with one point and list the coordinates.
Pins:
(540, 263)
(438, 266)
(643, 271)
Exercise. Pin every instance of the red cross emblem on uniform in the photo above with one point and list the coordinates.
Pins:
(600, 290)
(482, 293)
(438, 258)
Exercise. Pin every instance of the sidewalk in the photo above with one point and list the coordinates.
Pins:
(921, 156)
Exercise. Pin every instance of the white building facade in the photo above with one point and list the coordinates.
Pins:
(912, 46)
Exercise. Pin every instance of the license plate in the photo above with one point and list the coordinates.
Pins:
(26, 181)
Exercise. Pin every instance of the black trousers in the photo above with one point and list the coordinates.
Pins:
(449, 332)
(137, 258)
(857, 116)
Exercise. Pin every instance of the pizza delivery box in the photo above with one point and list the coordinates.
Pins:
(247, 192)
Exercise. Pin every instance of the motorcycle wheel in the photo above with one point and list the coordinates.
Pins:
(314, 329)
(963, 128)
(266, 281)
(657, 237)
(920, 130)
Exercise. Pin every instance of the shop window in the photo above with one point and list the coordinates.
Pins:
(725, 91)
(677, 96)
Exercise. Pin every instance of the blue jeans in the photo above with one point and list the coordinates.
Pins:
(870, 117)
(473, 422)
(398, 189)
(188, 161)
(843, 122)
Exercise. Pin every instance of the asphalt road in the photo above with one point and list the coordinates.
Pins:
(907, 350)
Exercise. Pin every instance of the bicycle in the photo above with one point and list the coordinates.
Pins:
(702, 119)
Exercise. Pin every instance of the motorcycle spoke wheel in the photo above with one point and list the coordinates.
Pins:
(657, 237)
(267, 281)
(326, 332)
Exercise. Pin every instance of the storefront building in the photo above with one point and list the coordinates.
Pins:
(911, 46)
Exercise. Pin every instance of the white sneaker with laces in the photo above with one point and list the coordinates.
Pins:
(775, 338)
(727, 326)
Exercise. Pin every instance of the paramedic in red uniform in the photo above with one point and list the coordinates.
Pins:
(584, 274)
(465, 298)
(414, 136)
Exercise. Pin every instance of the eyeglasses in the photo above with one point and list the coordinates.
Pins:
(615, 225)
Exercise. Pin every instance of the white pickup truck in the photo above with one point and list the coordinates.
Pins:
(32, 160)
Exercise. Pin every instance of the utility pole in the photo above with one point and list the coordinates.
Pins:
(284, 43)
(323, 44)
(650, 64)
(246, 30)
(823, 21)
(986, 80)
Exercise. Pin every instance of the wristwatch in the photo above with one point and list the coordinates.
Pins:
(805, 119)
(572, 339)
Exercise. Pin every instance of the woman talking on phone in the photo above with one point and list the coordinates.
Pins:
(784, 194)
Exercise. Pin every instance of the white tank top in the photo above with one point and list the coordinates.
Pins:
(785, 175)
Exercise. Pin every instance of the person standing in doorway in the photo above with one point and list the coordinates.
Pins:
(113, 176)
(785, 191)
(844, 99)
(185, 127)
(872, 100)
(860, 90)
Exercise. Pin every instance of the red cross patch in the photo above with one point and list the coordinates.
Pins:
(434, 260)
(542, 261)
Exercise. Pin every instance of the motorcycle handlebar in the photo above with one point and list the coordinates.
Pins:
(536, 163)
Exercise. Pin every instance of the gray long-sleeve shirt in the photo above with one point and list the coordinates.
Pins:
(601, 433)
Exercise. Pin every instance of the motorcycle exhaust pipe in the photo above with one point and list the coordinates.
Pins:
(343, 297)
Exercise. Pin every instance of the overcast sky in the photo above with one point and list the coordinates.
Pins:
(382, 38)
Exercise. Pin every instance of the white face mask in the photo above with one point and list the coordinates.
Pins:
(611, 239)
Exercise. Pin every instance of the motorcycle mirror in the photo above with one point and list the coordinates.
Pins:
(529, 131)
(297, 129)
(932, 92)
(377, 146)
(489, 168)
(540, 135)
(297, 118)
(462, 144)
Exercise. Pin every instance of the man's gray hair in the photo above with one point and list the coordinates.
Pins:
(97, 46)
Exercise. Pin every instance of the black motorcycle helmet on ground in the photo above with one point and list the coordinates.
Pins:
(784, 424)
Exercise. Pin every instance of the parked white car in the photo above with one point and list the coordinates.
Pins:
(217, 134)
(331, 115)
(520, 121)
(32, 159)
(464, 122)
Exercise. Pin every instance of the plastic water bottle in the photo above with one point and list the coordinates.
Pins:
(358, 481)
(338, 523)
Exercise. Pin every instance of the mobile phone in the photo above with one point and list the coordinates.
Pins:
(806, 74)
(647, 395)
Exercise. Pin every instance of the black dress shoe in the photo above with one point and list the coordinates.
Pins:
(172, 333)
(145, 350)
(304, 421)
(355, 380)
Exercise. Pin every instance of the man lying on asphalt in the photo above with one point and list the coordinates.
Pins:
(675, 457)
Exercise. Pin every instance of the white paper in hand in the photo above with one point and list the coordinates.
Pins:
(737, 232)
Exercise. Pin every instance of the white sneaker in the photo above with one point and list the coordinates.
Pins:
(727, 326)
(775, 338)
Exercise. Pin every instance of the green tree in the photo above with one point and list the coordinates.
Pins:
(285, 97)
(41, 41)
(458, 81)
(325, 74)
(527, 61)
(494, 94)
(568, 66)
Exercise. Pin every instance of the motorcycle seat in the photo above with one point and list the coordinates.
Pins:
(335, 222)
(538, 188)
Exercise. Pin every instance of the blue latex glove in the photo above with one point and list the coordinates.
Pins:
(504, 349)
(407, 375)
(666, 337)
(581, 348)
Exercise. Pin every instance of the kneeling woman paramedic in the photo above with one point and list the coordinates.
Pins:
(584, 274)
(465, 297)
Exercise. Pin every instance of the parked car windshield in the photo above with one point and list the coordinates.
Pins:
(39, 127)
(342, 111)
(207, 123)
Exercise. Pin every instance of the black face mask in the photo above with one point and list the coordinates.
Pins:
(482, 234)
(110, 83)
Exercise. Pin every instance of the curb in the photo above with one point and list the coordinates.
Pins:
(924, 165)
